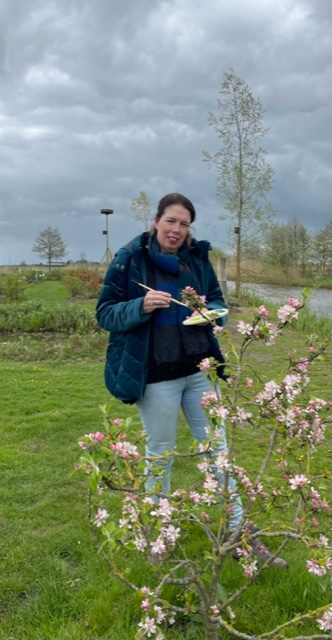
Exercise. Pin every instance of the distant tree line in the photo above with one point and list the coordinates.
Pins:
(291, 244)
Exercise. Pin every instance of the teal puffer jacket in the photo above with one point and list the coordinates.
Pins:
(119, 311)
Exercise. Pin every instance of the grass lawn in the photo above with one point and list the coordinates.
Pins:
(50, 291)
(53, 585)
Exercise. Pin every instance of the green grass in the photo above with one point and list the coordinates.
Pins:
(50, 291)
(53, 585)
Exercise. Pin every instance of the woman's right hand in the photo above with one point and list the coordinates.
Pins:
(156, 300)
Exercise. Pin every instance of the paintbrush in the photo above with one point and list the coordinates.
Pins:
(172, 299)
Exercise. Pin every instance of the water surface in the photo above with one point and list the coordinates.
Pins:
(320, 303)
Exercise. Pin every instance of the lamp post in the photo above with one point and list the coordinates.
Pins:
(107, 257)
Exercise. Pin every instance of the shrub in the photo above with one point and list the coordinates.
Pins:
(288, 492)
(76, 287)
(36, 316)
(90, 277)
(12, 287)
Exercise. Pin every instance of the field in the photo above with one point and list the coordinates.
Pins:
(53, 585)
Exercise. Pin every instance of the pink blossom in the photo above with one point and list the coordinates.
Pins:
(203, 466)
(171, 534)
(323, 540)
(140, 543)
(303, 365)
(124, 522)
(125, 449)
(242, 553)
(219, 412)
(83, 445)
(271, 389)
(118, 422)
(249, 382)
(214, 610)
(211, 483)
(317, 502)
(145, 604)
(205, 516)
(194, 496)
(294, 302)
(159, 613)
(148, 625)
(205, 364)
(244, 328)
(287, 313)
(325, 622)
(250, 568)
(242, 415)
(208, 398)
(164, 509)
(315, 522)
(263, 312)
(208, 498)
(292, 384)
(316, 568)
(272, 335)
(217, 330)
(221, 462)
(101, 517)
(298, 481)
(95, 437)
(158, 546)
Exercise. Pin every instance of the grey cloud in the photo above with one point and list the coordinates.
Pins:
(99, 102)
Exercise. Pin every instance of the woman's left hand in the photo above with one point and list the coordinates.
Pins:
(200, 313)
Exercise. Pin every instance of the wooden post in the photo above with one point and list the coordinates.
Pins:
(222, 275)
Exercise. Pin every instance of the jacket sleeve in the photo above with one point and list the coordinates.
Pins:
(114, 311)
(214, 295)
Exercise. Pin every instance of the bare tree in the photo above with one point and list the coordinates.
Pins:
(141, 209)
(243, 175)
(50, 246)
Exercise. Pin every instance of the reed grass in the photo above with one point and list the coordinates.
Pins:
(36, 316)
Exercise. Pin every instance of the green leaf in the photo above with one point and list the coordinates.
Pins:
(221, 593)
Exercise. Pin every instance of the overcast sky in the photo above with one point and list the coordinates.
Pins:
(101, 99)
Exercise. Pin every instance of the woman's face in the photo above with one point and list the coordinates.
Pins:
(173, 228)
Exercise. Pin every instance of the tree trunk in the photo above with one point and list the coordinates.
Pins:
(212, 628)
(238, 263)
(222, 275)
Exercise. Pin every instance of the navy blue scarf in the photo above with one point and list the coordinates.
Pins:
(172, 341)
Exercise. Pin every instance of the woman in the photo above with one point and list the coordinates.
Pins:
(152, 358)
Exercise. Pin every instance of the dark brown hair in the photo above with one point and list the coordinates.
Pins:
(175, 198)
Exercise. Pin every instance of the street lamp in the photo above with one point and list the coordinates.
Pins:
(107, 257)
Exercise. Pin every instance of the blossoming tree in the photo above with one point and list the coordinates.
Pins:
(289, 481)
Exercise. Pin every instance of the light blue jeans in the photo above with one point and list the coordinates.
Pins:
(159, 412)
